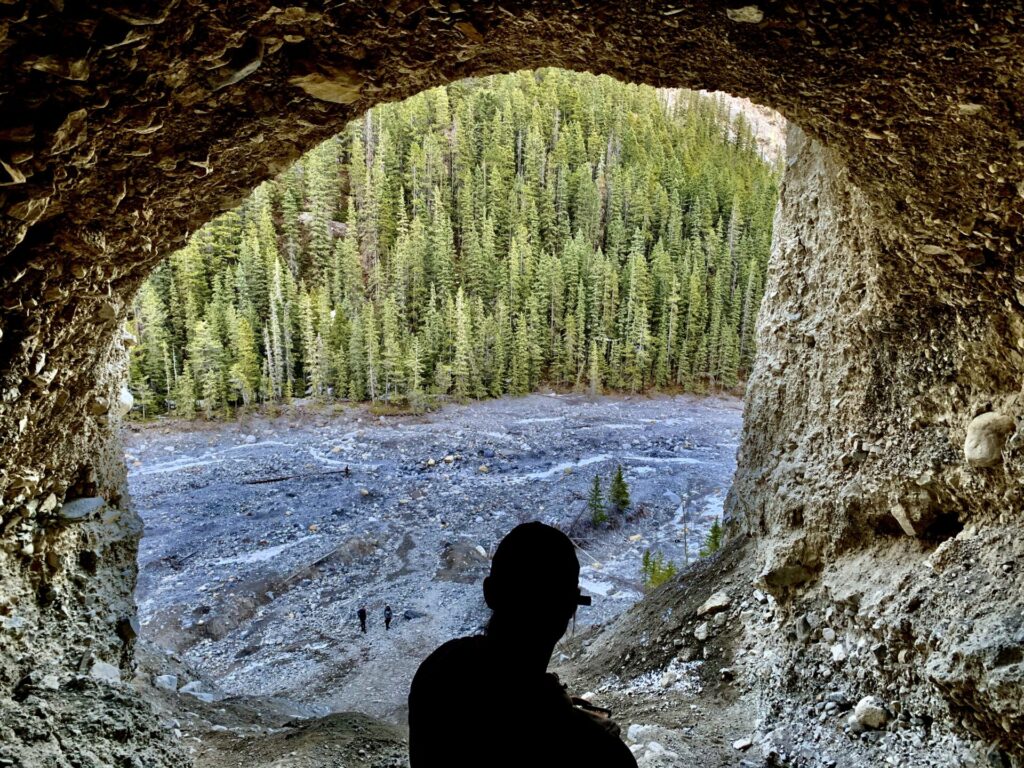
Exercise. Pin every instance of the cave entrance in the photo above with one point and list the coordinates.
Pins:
(124, 129)
(591, 253)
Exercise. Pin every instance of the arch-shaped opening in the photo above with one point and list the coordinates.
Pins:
(491, 210)
(123, 129)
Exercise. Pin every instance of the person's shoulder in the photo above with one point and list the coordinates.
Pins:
(457, 651)
(454, 654)
(448, 674)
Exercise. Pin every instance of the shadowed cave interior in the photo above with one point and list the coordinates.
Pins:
(878, 486)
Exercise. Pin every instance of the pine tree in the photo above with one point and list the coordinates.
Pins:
(618, 493)
(595, 503)
(185, 393)
(597, 233)
(462, 365)
(655, 570)
(594, 368)
(713, 543)
(245, 371)
(520, 366)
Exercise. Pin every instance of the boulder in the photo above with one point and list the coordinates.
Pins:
(871, 713)
(80, 509)
(195, 689)
(166, 682)
(720, 601)
(106, 672)
(986, 435)
(50, 682)
(638, 732)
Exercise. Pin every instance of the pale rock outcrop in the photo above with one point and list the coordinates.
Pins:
(986, 435)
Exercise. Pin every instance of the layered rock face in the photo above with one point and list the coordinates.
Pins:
(880, 472)
(892, 323)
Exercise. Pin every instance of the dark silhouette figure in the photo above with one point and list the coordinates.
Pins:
(387, 617)
(361, 613)
(488, 700)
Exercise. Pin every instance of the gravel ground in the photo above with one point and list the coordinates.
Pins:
(263, 536)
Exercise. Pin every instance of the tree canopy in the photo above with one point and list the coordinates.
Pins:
(475, 240)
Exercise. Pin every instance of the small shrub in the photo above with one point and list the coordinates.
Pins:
(656, 570)
(419, 403)
(394, 408)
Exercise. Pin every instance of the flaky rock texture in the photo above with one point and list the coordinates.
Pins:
(853, 478)
(893, 317)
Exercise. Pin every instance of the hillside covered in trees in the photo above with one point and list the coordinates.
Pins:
(476, 240)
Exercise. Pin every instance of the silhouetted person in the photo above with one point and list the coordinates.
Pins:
(387, 617)
(361, 613)
(488, 700)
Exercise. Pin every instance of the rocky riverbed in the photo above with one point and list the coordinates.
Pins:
(265, 535)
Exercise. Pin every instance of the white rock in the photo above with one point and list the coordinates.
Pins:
(50, 682)
(742, 744)
(13, 624)
(80, 509)
(870, 712)
(668, 679)
(839, 653)
(195, 689)
(828, 635)
(986, 435)
(125, 401)
(701, 632)
(719, 601)
(637, 732)
(106, 672)
(747, 14)
(166, 682)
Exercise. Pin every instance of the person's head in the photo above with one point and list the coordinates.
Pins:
(533, 587)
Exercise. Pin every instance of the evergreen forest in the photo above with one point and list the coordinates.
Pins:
(479, 239)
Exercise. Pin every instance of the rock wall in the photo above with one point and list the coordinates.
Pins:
(893, 321)
(67, 572)
(896, 562)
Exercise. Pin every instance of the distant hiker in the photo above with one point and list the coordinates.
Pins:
(361, 613)
(387, 617)
(488, 700)
(347, 471)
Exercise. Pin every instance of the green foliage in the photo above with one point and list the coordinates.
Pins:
(618, 494)
(185, 394)
(713, 543)
(595, 503)
(477, 240)
(656, 570)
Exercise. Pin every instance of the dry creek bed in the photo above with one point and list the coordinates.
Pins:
(263, 536)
